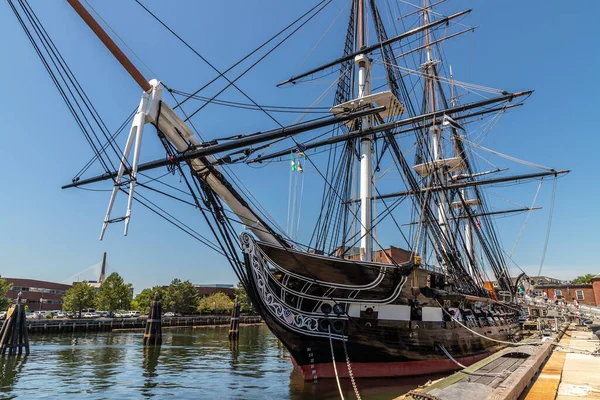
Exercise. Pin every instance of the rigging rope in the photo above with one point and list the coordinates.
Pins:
(549, 226)
(322, 36)
(232, 82)
(337, 378)
(230, 174)
(67, 85)
(121, 39)
(480, 335)
(206, 61)
(113, 137)
(517, 160)
(500, 374)
(465, 85)
(526, 219)
(248, 106)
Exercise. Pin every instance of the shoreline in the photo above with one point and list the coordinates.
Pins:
(179, 327)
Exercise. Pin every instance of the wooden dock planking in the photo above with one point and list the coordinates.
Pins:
(547, 382)
(511, 370)
(107, 325)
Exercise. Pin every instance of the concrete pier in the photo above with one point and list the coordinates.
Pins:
(564, 366)
(501, 376)
(572, 372)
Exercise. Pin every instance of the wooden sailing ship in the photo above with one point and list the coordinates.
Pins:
(340, 304)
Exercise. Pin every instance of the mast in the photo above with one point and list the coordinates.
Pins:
(437, 148)
(366, 144)
(469, 244)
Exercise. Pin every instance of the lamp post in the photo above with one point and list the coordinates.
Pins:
(41, 301)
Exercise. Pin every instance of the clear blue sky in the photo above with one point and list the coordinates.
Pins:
(50, 234)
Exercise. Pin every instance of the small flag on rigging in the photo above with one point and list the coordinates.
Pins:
(296, 163)
(451, 122)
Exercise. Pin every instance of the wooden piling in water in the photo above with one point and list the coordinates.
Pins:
(153, 333)
(234, 325)
(13, 334)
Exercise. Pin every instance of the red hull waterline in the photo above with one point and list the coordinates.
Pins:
(384, 369)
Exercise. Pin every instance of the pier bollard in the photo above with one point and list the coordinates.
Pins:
(153, 333)
(13, 335)
(234, 325)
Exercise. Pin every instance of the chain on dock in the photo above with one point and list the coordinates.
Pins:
(422, 396)
(350, 374)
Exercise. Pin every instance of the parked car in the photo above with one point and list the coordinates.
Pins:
(169, 314)
(135, 314)
(2, 315)
(30, 315)
(60, 314)
(118, 315)
(103, 314)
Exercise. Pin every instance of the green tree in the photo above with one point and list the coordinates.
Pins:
(145, 297)
(4, 287)
(582, 279)
(243, 299)
(114, 294)
(217, 303)
(79, 297)
(181, 297)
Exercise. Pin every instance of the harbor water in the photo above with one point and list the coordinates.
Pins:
(191, 364)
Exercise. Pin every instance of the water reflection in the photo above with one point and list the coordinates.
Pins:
(10, 369)
(234, 348)
(191, 363)
(151, 356)
(372, 389)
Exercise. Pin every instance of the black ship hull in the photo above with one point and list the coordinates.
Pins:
(366, 317)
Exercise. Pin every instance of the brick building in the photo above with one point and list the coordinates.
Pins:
(588, 294)
(383, 256)
(207, 290)
(38, 295)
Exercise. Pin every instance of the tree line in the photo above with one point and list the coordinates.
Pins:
(179, 297)
(182, 297)
(114, 294)
(580, 280)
